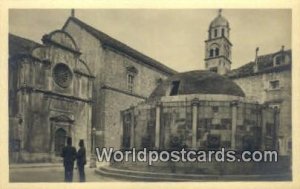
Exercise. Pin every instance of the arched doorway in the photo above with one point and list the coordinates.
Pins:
(59, 140)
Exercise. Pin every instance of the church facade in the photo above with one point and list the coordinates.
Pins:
(50, 97)
(73, 85)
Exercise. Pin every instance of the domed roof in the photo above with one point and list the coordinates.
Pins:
(219, 21)
(196, 82)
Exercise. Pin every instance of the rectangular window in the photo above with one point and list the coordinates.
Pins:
(214, 69)
(274, 84)
(217, 126)
(289, 145)
(225, 123)
(211, 53)
(275, 106)
(269, 129)
(205, 124)
(217, 51)
(215, 109)
(175, 87)
(130, 82)
(241, 128)
(279, 60)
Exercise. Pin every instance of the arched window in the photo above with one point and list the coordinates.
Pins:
(130, 82)
(217, 52)
(131, 74)
(223, 32)
(216, 32)
(211, 52)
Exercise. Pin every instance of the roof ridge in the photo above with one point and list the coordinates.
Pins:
(23, 38)
(270, 54)
(264, 55)
(19, 46)
(110, 41)
(265, 64)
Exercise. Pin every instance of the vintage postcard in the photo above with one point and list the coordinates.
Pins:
(164, 95)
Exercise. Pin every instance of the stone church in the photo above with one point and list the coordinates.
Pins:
(79, 79)
(74, 84)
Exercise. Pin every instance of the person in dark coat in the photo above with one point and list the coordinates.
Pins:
(69, 155)
(81, 161)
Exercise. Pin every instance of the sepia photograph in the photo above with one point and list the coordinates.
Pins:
(150, 95)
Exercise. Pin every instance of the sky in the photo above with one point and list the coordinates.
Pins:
(175, 37)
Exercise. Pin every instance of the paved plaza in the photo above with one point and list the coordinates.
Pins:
(52, 174)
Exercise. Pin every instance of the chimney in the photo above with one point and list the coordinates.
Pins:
(282, 54)
(256, 61)
(72, 13)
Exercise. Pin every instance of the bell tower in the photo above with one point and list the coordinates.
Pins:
(218, 46)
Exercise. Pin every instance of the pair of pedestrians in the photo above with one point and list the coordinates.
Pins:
(70, 155)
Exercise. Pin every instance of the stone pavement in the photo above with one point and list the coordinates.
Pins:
(50, 173)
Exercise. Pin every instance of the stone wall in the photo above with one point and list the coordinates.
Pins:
(115, 102)
(257, 87)
(116, 65)
(237, 125)
(110, 91)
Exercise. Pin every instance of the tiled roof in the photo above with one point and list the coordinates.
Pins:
(197, 82)
(19, 45)
(111, 42)
(265, 64)
(219, 21)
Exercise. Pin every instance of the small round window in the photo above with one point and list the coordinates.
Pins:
(62, 75)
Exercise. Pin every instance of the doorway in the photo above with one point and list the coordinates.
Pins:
(59, 141)
(126, 130)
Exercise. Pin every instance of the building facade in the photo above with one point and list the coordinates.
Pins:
(266, 79)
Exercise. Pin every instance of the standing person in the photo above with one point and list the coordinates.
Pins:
(69, 155)
(81, 161)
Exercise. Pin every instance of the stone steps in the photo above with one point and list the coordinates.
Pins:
(156, 177)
